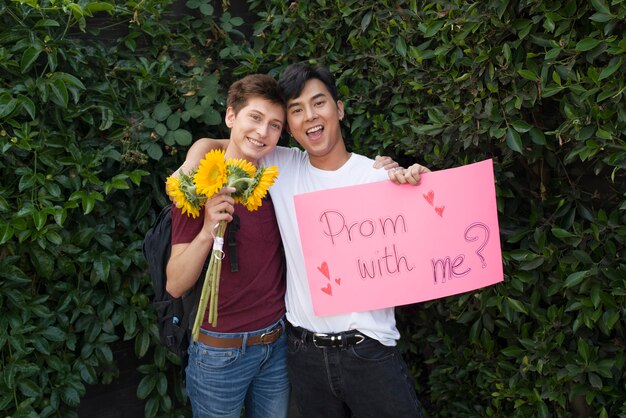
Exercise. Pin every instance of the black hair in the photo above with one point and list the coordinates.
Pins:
(295, 76)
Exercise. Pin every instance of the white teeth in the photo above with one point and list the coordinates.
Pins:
(314, 129)
(255, 142)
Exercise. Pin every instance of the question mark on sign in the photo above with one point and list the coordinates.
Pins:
(474, 238)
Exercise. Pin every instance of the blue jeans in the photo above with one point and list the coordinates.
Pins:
(368, 379)
(220, 381)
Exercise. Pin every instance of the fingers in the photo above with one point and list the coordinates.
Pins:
(396, 175)
(385, 162)
(411, 175)
(218, 208)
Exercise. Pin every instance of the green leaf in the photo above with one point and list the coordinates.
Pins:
(29, 57)
(514, 140)
(47, 23)
(28, 388)
(161, 112)
(39, 218)
(587, 44)
(7, 104)
(183, 137)
(59, 92)
(600, 6)
(365, 21)
(146, 386)
(517, 305)
(27, 104)
(401, 46)
(529, 75)
(70, 396)
(154, 151)
(53, 334)
(575, 279)
(608, 71)
(521, 126)
(6, 233)
(562, 233)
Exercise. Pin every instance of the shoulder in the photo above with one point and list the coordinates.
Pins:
(282, 156)
(364, 166)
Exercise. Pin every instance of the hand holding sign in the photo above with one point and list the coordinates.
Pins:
(391, 245)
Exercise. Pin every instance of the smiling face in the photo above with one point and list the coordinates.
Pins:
(313, 120)
(255, 129)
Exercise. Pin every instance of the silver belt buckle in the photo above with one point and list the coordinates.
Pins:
(269, 334)
(319, 334)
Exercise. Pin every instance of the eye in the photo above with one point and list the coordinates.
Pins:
(277, 126)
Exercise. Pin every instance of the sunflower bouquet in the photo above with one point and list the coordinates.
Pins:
(190, 191)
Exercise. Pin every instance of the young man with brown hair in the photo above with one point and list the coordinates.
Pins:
(242, 361)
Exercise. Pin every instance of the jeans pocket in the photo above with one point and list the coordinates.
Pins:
(212, 358)
(372, 350)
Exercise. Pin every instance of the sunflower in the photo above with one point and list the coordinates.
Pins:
(252, 203)
(236, 164)
(265, 179)
(173, 188)
(211, 174)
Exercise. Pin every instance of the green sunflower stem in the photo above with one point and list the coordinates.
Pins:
(210, 288)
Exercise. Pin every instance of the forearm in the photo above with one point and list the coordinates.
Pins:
(185, 264)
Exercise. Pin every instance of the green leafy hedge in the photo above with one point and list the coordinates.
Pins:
(98, 102)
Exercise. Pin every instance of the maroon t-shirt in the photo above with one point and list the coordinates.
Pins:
(253, 297)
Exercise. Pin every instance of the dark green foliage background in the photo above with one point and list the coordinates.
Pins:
(99, 102)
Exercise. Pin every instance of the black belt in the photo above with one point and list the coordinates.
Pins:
(326, 340)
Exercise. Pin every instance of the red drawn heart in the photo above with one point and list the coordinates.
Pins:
(338, 280)
(430, 197)
(324, 270)
(439, 210)
(328, 290)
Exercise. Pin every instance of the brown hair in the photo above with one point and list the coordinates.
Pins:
(253, 85)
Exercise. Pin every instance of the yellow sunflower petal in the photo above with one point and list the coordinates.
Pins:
(244, 165)
(190, 209)
(211, 174)
(266, 180)
(253, 203)
(173, 188)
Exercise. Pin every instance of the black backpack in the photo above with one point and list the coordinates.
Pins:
(175, 316)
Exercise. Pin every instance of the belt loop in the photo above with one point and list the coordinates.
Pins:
(244, 342)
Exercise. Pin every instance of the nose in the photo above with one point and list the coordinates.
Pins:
(262, 130)
(310, 113)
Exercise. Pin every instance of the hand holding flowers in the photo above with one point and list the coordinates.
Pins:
(190, 193)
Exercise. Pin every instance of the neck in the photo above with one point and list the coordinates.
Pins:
(331, 161)
(231, 152)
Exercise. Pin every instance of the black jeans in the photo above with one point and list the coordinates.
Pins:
(363, 380)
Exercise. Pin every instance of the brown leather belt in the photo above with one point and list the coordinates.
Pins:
(265, 338)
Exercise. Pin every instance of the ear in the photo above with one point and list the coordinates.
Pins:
(230, 117)
(340, 111)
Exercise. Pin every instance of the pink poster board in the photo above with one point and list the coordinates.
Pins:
(381, 244)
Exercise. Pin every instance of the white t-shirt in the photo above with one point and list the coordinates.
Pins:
(297, 175)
